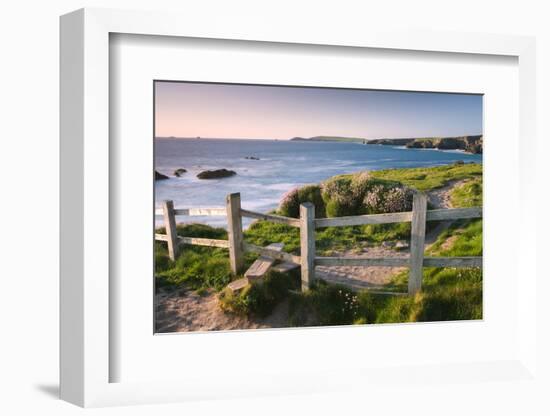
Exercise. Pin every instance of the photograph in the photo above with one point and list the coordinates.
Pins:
(286, 206)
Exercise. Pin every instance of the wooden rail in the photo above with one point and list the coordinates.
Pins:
(195, 212)
(293, 222)
(277, 255)
(307, 223)
(432, 215)
(398, 261)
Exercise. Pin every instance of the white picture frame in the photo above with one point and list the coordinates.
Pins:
(85, 210)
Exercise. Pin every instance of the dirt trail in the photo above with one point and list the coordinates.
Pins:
(373, 277)
(183, 311)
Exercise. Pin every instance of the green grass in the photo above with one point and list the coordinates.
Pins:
(196, 267)
(469, 194)
(329, 239)
(425, 179)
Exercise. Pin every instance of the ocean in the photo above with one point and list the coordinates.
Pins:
(283, 165)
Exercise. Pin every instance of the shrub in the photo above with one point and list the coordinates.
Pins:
(260, 298)
(324, 304)
(290, 201)
(364, 194)
(339, 197)
(384, 200)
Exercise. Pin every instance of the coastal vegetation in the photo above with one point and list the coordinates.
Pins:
(447, 293)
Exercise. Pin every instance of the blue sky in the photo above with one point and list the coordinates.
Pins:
(266, 112)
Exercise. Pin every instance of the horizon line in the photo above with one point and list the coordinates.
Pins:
(310, 137)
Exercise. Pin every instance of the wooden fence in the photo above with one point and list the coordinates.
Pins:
(307, 223)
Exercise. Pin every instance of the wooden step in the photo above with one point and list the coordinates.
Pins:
(285, 267)
(262, 265)
(237, 285)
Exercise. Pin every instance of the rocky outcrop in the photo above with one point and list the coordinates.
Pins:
(390, 142)
(179, 172)
(216, 174)
(470, 144)
(159, 176)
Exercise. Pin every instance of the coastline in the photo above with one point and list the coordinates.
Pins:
(248, 221)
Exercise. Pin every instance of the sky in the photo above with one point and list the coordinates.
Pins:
(268, 112)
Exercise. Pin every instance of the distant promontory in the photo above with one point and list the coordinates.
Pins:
(470, 144)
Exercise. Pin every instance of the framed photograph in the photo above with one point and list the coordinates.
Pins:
(285, 213)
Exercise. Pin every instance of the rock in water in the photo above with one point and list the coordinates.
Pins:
(159, 176)
(179, 172)
(215, 174)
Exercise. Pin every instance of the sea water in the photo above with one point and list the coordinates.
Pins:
(282, 165)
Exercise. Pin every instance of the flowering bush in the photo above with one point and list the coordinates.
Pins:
(363, 194)
(289, 206)
(381, 200)
(338, 197)
(349, 195)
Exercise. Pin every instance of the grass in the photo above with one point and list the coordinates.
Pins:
(469, 194)
(425, 179)
(328, 239)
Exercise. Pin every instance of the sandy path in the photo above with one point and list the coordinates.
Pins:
(183, 311)
(375, 277)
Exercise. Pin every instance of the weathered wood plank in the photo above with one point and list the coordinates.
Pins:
(208, 242)
(453, 261)
(284, 267)
(399, 261)
(237, 285)
(307, 244)
(277, 255)
(161, 237)
(235, 232)
(294, 222)
(364, 219)
(261, 266)
(418, 235)
(215, 211)
(202, 211)
(362, 261)
(170, 225)
(454, 214)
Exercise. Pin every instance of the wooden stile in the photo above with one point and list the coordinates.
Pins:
(307, 244)
(418, 235)
(170, 224)
(235, 232)
(274, 254)
(261, 266)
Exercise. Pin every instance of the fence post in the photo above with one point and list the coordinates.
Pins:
(170, 225)
(235, 232)
(418, 235)
(307, 244)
